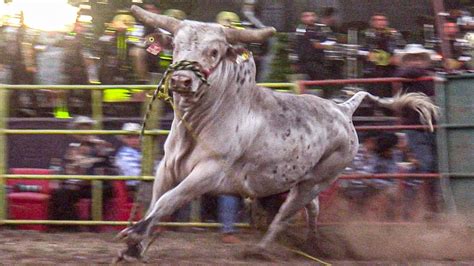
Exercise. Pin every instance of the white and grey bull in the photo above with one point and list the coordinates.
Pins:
(246, 140)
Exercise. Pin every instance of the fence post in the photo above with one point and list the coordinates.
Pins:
(3, 152)
(97, 185)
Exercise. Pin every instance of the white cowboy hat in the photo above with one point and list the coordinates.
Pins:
(131, 127)
(414, 48)
(81, 120)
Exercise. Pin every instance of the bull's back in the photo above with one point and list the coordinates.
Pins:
(296, 132)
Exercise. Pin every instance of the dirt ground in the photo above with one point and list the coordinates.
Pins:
(173, 248)
(342, 245)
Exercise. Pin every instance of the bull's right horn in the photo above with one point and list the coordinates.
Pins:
(155, 20)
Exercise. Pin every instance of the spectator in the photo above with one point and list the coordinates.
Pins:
(86, 155)
(329, 22)
(228, 208)
(415, 62)
(381, 41)
(456, 59)
(21, 61)
(379, 153)
(75, 70)
(74, 61)
(23, 56)
(385, 161)
(128, 158)
(309, 46)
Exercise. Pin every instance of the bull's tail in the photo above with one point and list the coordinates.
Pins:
(419, 102)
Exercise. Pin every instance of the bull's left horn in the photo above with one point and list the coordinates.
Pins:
(249, 35)
(155, 20)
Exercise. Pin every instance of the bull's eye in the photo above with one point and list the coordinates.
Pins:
(151, 39)
(214, 53)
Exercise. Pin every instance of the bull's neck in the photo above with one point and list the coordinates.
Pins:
(232, 86)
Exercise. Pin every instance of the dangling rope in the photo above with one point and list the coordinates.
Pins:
(162, 92)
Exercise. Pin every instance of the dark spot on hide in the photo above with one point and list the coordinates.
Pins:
(283, 106)
(238, 89)
(288, 132)
(309, 146)
(298, 119)
(297, 157)
(237, 128)
(294, 167)
(246, 177)
(275, 171)
(238, 78)
(242, 81)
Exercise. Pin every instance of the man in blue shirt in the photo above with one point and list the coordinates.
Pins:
(128, 158)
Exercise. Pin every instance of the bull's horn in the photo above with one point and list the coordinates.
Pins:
(158, 21)
(249, 35)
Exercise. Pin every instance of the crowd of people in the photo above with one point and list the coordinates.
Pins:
(119, 57)
(384, 53)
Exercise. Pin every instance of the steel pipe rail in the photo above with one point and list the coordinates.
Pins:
(275, 85)
(116, 223)
(363, 81)
(148, 152)
(391, 176)
(79, 132)
(80, 177)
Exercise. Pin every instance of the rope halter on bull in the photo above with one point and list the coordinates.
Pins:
(162, 92)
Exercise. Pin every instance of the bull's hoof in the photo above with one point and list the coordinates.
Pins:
(133, 253)
(133, 234)
(258, 253)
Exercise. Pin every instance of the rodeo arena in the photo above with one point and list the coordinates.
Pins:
(237, 132)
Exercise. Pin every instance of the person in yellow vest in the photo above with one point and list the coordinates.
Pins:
(229, 19)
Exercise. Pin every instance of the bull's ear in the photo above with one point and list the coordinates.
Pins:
(233, 52)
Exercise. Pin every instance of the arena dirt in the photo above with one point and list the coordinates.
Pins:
(353, 244)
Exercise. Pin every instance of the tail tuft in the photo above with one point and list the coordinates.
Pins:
(417, 101)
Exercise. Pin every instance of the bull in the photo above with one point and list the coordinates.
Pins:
(230, 136)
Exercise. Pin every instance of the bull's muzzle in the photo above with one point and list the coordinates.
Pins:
(181, 83)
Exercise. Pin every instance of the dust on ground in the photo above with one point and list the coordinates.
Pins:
(349, 244)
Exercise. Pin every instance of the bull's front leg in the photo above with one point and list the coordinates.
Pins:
(203, 179)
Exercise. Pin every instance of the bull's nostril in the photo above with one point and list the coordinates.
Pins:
(187, 83)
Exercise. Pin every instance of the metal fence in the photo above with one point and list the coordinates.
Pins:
(149, 149)
(149, 145)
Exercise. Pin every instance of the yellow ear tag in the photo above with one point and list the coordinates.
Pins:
(245, 55)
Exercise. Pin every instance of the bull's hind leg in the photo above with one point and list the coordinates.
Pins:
(302, 195)
(312, 211)
(139, 236)
(299, 197)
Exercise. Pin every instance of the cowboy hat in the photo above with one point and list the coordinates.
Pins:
(415, 49)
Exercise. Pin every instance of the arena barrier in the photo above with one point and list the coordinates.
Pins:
(147, 146)
(97, 93)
